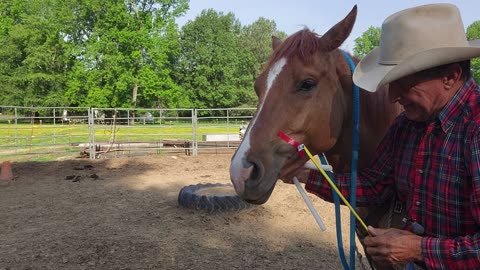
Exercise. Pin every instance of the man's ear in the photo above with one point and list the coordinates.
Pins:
(453, 76)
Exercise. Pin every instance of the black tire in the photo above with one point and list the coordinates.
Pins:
(212, 198)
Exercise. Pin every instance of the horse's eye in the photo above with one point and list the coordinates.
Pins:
(307, 85)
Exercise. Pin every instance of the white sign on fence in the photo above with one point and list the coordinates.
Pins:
(220, 137)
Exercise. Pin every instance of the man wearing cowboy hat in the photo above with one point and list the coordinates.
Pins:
(430, 157)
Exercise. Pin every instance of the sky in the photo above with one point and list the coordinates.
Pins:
(319, 15)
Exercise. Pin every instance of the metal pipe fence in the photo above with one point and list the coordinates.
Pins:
(45, 133)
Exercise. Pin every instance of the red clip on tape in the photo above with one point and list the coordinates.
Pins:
(292, 142)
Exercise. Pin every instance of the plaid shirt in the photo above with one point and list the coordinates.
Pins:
(434, 168)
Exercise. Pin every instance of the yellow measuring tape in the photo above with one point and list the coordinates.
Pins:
(322, 171)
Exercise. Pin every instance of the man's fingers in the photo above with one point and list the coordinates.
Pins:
(370, 241)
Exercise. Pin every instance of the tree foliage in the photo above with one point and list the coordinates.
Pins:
(32, 55)
(89, 53)
(257, 38)
(473, 32)
(125, 62)
(367, 41)
(213, 66)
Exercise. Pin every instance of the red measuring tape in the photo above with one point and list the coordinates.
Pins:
(292, 142)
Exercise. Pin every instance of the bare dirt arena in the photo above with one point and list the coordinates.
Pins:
(123, 214)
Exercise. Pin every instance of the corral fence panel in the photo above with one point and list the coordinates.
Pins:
(219, 129)
(132, 132)
(42, 132)
(45, 133)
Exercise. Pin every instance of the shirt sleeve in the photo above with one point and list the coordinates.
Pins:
(374, 184)
(452, 253)
(460, 252)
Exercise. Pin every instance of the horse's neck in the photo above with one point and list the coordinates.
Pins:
(339, 156)
(376, 115)
(371, 132)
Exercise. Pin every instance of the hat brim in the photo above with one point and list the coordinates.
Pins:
(370, 75)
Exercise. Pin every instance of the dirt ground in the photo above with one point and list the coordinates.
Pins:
(123, 214)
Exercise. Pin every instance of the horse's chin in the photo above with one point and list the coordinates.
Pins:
(259, 191)
(258, 187)
(262, 197)
(254, 180)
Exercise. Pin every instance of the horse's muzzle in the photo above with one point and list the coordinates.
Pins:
(239, 177)
(248, 180)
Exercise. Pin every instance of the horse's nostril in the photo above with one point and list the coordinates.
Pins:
(257, 172)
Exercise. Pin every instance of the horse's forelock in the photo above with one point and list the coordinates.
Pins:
(303, 44)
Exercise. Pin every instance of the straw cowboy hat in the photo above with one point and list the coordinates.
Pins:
(413, 40)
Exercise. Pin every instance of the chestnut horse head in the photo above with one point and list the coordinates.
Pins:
(306, 92)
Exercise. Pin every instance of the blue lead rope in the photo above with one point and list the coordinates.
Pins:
(353, 184)
(338, 217)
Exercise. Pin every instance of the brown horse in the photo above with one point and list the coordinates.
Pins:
(306, 92)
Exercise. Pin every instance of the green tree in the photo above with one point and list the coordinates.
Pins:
(257, 37)
(89, 53)
(473, 32)
(32, 58)
(125, 59)
(213, 68)
(367, 41)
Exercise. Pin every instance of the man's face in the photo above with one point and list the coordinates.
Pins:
(420, 97)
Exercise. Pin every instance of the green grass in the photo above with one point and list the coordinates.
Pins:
(42, 142)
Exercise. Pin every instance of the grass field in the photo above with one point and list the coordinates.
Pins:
(48, 141)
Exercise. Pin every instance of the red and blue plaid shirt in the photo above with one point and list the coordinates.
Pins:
(434, 168)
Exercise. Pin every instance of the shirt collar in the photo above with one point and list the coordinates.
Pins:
(454, 107)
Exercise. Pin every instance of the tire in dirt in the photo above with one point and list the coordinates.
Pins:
(212, 197)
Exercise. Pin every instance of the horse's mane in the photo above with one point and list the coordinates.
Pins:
(302, 43)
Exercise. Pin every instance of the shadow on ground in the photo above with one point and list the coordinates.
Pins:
(123, 214)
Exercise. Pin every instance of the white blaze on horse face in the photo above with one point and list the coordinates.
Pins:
(273, 73)
(240, 168)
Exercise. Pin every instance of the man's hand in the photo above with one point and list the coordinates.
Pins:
(393, 245)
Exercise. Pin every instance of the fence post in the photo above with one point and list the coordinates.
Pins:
(195, 132)
(54, 128)
(16, 130)
(91, 134)
(228, 127)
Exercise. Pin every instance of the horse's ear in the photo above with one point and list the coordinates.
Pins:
(275, 42)
(339, 32)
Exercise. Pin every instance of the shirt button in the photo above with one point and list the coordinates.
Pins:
(420, 171)
(418, 203)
